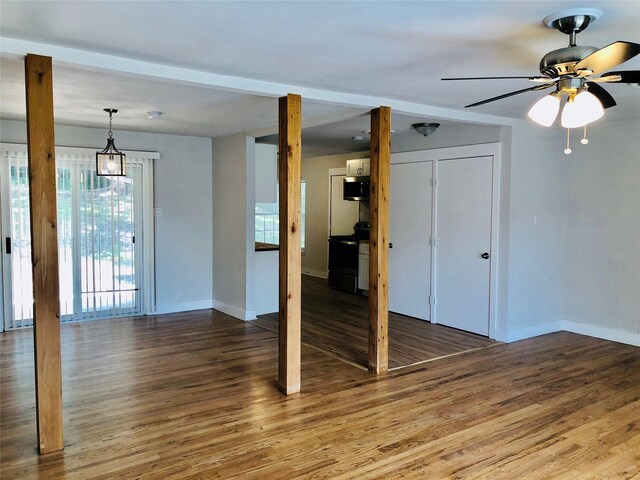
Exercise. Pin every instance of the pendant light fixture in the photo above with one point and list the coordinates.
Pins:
(110, 162)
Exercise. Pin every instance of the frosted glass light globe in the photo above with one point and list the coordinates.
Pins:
(545, 110)
(585, 108)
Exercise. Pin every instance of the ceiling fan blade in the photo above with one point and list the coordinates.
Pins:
(486, 78)
(511, 94)
(607, 78)
(607, 57)
(627, 76)
(605, 98)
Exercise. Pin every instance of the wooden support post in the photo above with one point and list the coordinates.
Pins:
(289, 174)
(44, 252)
(379, 240)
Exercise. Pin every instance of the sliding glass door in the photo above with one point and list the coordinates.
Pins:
(98, 224)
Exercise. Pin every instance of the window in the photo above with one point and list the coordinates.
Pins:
(268, 221)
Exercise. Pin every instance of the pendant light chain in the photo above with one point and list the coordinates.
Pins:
(567, 150)
(110, 119)
(584, 140)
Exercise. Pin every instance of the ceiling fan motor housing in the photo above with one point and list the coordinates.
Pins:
(561, 61)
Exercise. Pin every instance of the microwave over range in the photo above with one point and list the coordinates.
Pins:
(356, 188)
(356, 183)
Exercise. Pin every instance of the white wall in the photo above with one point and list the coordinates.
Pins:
(267, 281)
(455, 136)
(182, 187)
(234, 217)
(602, 247)
(538, 178)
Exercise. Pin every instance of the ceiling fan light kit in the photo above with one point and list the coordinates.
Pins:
(571, 71)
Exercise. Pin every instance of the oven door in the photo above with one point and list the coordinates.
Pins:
(343, 263)
(343, 255)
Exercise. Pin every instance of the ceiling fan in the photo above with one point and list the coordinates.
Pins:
(573, 71)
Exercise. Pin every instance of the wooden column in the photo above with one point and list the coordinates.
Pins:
(379, 240)
(44, 252)
(289, 174)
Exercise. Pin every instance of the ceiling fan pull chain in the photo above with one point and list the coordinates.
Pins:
(584, 140)
(567, 150)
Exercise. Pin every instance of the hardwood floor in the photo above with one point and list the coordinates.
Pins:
(194, 396)
(338, 323)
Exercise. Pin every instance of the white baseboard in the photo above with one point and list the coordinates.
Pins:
(183, 307)
(532, 331)
(234, 311)
(315, 273)
(620, 336)
(614, 335)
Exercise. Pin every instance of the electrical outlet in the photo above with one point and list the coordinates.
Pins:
(536, 220)
(179, 295)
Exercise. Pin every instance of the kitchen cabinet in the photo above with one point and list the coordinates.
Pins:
(359, 167)
(266, 173)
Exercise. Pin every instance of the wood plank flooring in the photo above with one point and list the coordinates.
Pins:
(338, 323)
(193, 396)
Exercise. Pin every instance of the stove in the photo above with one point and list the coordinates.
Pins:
(343, 258)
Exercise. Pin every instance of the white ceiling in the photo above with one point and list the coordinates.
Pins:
(389, 50)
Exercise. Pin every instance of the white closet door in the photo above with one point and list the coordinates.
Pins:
(409, 232)
(464, 195)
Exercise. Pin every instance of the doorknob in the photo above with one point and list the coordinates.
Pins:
(485, 255)
(391, 245)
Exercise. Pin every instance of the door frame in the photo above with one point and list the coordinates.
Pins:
(144, 228)
(436, 155)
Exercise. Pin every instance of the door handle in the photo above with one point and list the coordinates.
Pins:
(7, 245)
(391, 245)
(485, 255)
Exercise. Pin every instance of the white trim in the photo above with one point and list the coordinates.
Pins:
(183, 307)
(621, 336)
(83, 151)
(315, 273)
(5, 227)
(187, 76)
(531, 331)
(148, 272)
(433, 241)
(333, 172)
(232, 310)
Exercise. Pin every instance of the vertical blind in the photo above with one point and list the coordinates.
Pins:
(98, 256)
